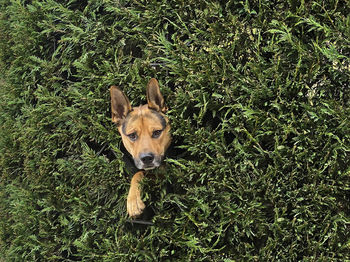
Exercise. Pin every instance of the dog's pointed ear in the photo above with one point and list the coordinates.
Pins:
(155, 99)
(120, 105)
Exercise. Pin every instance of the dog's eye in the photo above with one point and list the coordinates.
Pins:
(132, 136)
(157, 133)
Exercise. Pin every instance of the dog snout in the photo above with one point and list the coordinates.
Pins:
(147, 158)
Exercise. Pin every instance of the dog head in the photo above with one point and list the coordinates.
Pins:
(145, 129)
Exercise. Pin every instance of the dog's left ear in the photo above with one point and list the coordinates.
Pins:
(155, 99)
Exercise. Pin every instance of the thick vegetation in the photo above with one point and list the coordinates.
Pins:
(258, 96)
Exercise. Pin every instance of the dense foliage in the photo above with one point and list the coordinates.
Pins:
(258, 93)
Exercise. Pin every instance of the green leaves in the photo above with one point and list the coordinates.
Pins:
(258, 96)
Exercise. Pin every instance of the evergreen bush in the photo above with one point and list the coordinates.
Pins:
(258, 93)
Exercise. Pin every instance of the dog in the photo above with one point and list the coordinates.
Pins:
(145, 132)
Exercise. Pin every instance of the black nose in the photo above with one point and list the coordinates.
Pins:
(147, 158)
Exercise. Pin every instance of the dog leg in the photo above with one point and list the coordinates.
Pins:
(135, 205)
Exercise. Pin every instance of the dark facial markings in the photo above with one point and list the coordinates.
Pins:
(133, 136)
(124, 124)
(155, 134)
(160, 117)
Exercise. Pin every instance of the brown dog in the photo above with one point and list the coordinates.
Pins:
(145, 133)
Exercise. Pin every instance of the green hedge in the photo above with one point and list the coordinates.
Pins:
(259, 96)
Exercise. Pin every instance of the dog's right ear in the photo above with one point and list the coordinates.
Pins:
(120, 105)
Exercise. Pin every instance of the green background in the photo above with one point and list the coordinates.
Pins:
(258, 93)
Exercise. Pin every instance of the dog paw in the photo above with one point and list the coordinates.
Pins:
(134, 204)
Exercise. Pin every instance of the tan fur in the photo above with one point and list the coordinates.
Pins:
(134, 203)
(142, 122)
